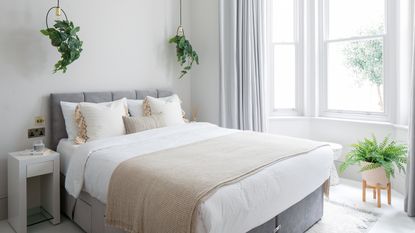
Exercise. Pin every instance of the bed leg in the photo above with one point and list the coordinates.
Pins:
(364, 190)
(389, 194)
(378, 195)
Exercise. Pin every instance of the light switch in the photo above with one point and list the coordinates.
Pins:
(39, 120)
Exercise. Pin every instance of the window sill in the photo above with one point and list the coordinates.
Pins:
(276, 117)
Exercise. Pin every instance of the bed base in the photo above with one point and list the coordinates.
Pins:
(88, 213)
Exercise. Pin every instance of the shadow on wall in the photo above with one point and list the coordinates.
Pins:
(23, 52)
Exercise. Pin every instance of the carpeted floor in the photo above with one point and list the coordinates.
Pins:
(340, 218)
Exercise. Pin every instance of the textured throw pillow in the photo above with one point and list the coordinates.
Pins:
(138, 124)
(68, 111)
(135, 107)
(169, 107)
(96, 121)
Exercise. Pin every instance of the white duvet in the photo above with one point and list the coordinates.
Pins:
(238, 207)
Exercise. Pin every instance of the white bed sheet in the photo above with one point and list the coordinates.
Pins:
(233, 208)
(66, 148)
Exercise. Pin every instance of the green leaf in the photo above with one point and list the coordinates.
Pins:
(44, 32)
(74, 31)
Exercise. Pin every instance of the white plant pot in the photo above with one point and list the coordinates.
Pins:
(375, 176)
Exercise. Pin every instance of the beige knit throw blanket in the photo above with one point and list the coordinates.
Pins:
(159, 192)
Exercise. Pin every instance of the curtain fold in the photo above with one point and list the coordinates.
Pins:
(410, 172)
(242, 60)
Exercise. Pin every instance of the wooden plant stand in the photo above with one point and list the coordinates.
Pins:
(376, 192)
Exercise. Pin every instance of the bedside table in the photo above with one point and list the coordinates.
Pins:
(24, 169)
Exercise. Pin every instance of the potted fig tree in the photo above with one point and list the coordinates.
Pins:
(377, 160)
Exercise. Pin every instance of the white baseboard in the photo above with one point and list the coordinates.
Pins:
(3, 208)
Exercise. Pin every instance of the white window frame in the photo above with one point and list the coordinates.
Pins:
(299, 53)
(389, 60)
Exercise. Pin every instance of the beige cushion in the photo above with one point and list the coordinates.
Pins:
(96, 121)
(138, 124)
(170, 107)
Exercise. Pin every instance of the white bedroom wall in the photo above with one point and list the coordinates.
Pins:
(205, 77)
(125, 47)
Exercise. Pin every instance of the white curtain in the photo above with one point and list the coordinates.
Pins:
(410, 173)
(242, 58)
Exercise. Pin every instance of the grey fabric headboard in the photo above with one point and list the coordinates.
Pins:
(58, 129)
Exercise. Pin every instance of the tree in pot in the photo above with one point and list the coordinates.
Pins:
(378, 161)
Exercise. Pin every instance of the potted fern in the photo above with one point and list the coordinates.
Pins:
(378, 161)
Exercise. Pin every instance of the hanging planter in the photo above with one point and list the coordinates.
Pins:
(186, 55)
(63, 36)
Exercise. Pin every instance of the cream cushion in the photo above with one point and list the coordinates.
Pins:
(96, 121)
(169, 107)
(68, 111)
(138, 124)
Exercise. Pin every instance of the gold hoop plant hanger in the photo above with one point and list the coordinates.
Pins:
(58, 12)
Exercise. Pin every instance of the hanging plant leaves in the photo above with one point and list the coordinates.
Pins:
(186, 56)
(64, 37)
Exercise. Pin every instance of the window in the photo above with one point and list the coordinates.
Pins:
(353, 58)
(346, 66)
(285, 55)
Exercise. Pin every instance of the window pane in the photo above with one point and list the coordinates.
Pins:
(284, 77)
(283, 20)
(355, 75)
(348, 18)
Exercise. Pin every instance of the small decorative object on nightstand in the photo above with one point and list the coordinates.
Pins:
(40, 171)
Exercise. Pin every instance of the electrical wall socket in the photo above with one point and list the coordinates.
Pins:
(36, 132)
(39, 120)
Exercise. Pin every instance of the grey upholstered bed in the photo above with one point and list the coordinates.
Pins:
(88, 212)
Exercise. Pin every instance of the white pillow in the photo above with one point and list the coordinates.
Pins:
(96, 121)
(169, 107)
(68, 111)
(135, 107)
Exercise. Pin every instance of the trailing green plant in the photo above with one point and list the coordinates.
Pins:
(387, 154)
(186, 55)
(64, 37)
